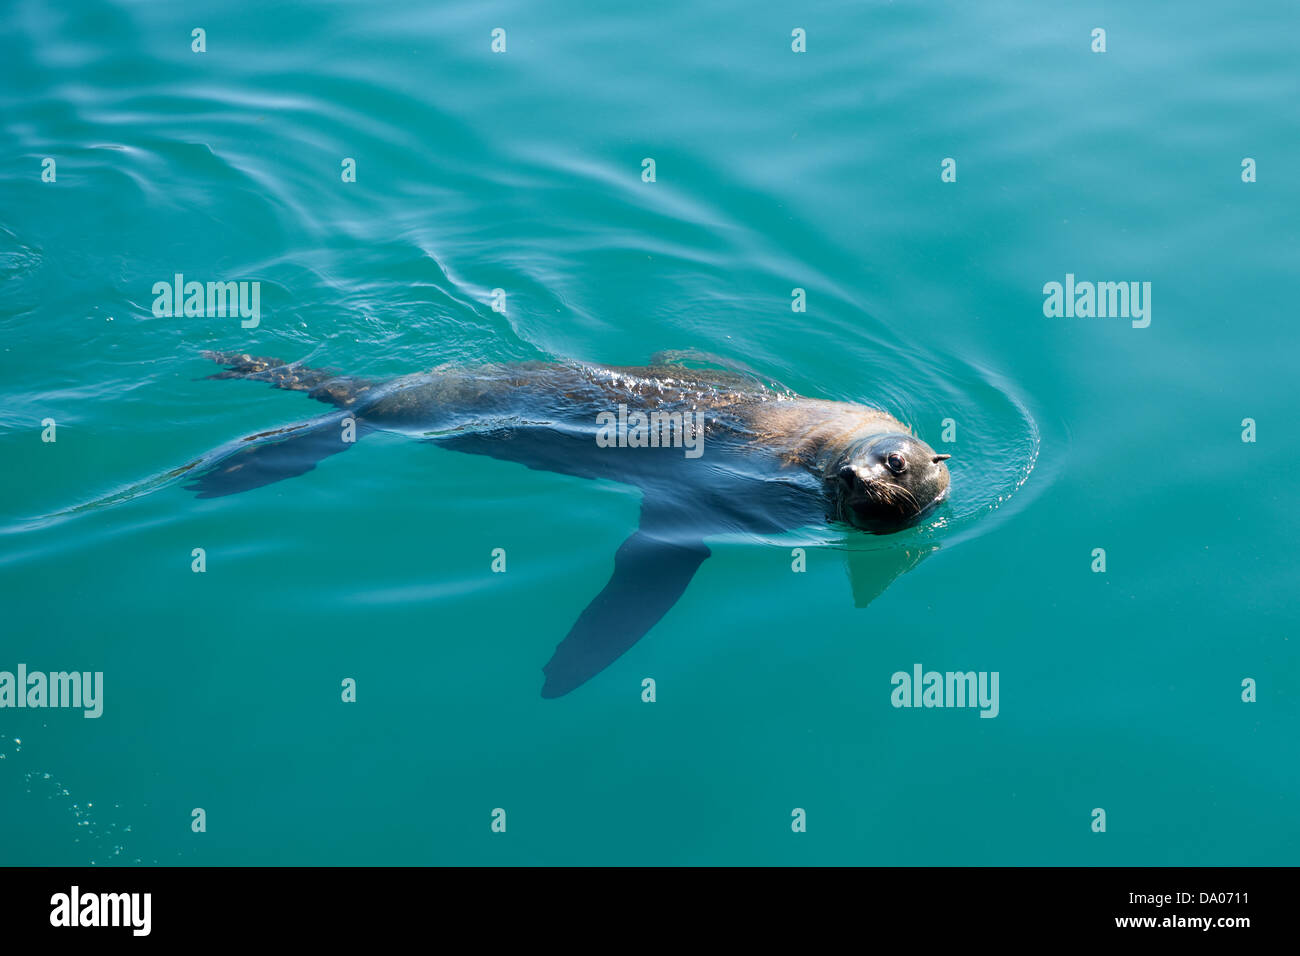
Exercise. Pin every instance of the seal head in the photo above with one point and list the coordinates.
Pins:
(886, 482)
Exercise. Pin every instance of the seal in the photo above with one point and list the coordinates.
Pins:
(714, 450)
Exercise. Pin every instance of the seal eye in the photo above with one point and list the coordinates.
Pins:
(896, 463)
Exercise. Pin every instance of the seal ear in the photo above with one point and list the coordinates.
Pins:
(938, 458)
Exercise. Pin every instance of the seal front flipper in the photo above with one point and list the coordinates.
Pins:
(274, 456)
(871, 572)
(650, 574)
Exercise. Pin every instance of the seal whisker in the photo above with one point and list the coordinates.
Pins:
(886, 492)
(911, 498)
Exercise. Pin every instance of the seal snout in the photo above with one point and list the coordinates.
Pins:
(874, 497)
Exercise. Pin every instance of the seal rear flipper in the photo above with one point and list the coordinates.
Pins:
(322, 384)
(274, 456)
(650, 574)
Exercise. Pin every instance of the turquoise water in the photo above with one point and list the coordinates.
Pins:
(774, 170)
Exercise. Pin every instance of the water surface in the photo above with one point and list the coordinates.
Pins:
(522, 171)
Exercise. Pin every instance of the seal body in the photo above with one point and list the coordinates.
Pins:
(768, 461)
(875, 473)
